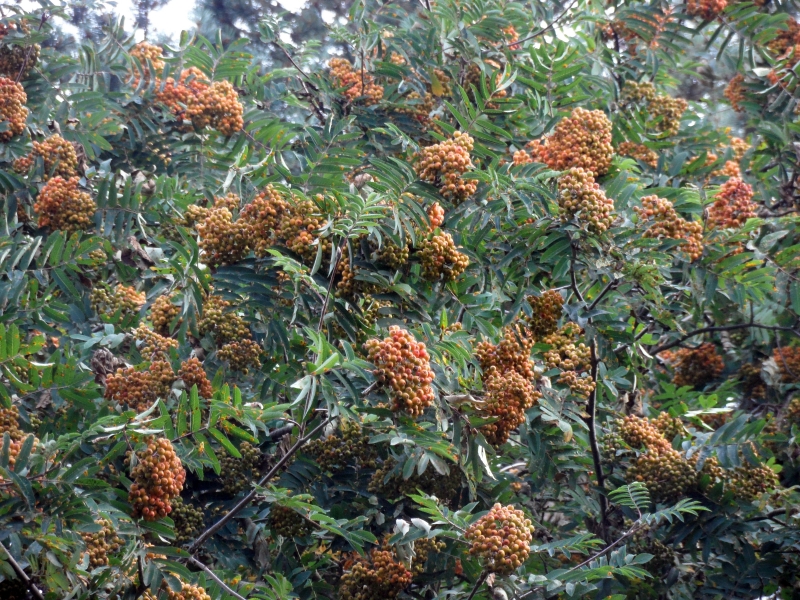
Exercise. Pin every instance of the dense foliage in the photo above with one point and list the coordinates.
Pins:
(502, 302)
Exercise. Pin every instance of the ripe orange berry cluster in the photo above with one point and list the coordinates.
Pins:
(349, 445)
(189, 591)
(506, 396)
(357, 84)
(222, 322)
(729, 170)
(12, 108)
(264, 214)
(125, 299)
(377, 576)
(143, 52)
(139, 388)
(444, 163)
(17, 59)
(582, 140)
(440, 258)
(158, 478)
(785, 38)
(223, 240)
(546, 311)
(668, 425)
(298, 231)
(501, 539)
(697, 366)
(512, 353)
(99, 544)
(641, 434)
(571, 356)
(436, 215)
(62, 205)
(640, 152)
(241, 355)
(706, 9)
(57, 154)
(286, 522)
(735, 92)
(739, 147)
(403, 365)
(192, 373)
(162, 313)
(579, 196)
(733, 205)
(217, 107)
(788, 360)
(665, 222)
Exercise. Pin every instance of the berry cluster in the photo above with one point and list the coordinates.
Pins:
(501, 539)
(663, 557)
(572, 357)
(264, 215)
(356, 84)
(237, 473)
(389, 483)
(192, 373)
(667, 112)
(444, 163)
(739, 147)
(788, 360)
(545, 312)
(669, 426)
(12, 109)
(224, 324)
(145, 52)
(640, 152)
(697, 366)
(654, 24)
(9, 423)
(474, 75)
(708, 10)
(62, 205)
(158, 478)
(423, 549)
(733, 205)
(188, 521)
(100, 544)
(241, 355)
(393, 256)
(403, 365)
(580, 196)
(377, 576)
(637, 92)
(735, 92)
(440, 259)
(582, 140)
(189, 591)
(512, 353)
(785, 38)
(123, 299)
(17, 59)
(665, 222)
(153, 345)
(748, 482)
(298, 231)
(57, 154)
(287, 523)
(753, 385)
(507, 396)
(436, 215)
(139, 389)
(350, 445)
(223, 240)
(163, 312)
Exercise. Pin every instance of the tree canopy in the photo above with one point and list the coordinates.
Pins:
(476, 299)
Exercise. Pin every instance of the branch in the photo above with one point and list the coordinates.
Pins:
(219, 581)
(549, 27)
(45, 17)
(591, 408)
(306, 82)
(339, 252)
(691, 334)
(242, 504)
(21, 574)
(478, 584)
(573, 280)
(611, 285)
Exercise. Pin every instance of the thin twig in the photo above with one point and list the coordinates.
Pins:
(306, 82)
(244, 502)
(45, 17)
(339, 252)
(21, 574)
(611, 285)
(478, 584)
(591, 423)
(219, 581)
